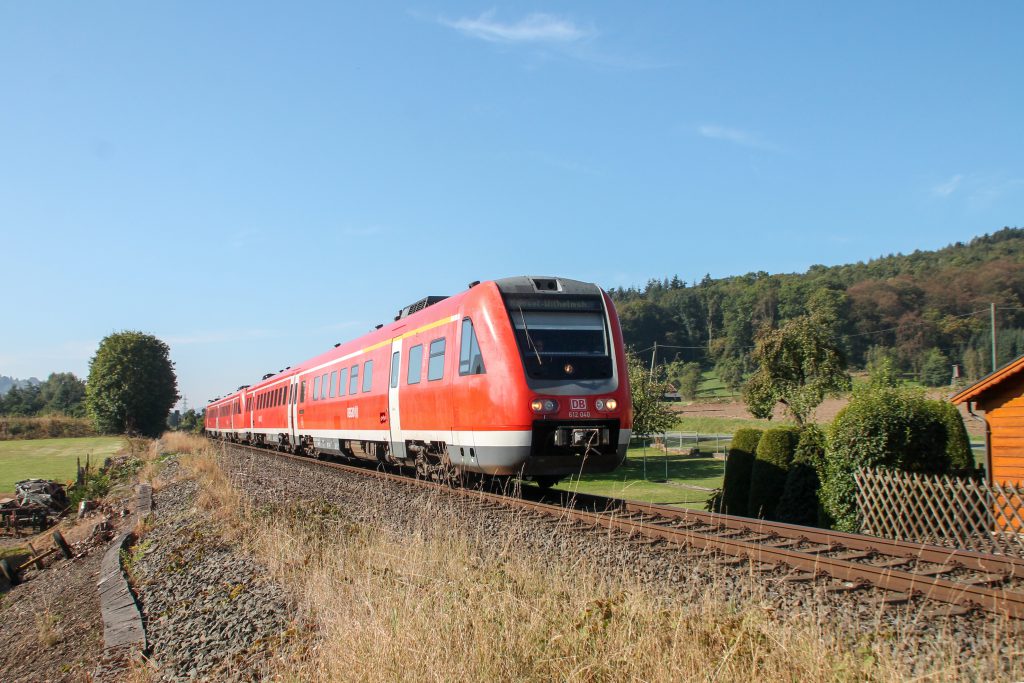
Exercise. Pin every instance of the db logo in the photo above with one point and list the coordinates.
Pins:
(577, 404)
(383, 418)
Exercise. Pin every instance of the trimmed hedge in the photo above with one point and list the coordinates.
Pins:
(736, 486)
(958, 444)
(799, 503)
(886, 427)
(768, 475)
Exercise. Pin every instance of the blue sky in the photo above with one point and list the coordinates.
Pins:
(255, 181)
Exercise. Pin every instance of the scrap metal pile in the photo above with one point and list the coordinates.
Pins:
(37, 503)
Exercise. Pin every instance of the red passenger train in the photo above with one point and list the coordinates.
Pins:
(521, 376)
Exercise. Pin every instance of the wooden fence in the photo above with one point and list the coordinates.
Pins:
(965, 513)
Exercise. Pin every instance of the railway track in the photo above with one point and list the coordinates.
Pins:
(952, 581)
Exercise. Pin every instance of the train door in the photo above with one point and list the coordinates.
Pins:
(394, 411)
(293, 407)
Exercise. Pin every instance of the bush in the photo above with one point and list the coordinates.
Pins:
(799, 503)
(768, 475)
(736, 486)
(883, 426)
(689, 379)
(958, 444)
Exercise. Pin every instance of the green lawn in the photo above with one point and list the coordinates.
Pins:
(629, 480)
(712, 387)
(51, 458)
(721, 425)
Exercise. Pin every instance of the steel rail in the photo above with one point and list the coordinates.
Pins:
(912, 550)
(972, 596)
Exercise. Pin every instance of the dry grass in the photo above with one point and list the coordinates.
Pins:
(46, 628)
(184, 442)
(431, 606)
(47, 427)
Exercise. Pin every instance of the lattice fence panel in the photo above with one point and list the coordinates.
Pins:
(951, 511)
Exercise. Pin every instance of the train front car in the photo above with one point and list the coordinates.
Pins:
(562, 390)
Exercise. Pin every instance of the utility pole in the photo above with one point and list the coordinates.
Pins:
(992, 315)
(655, 353)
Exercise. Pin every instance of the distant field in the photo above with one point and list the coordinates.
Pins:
(51, 458)
(720, 425)
(712, 387)
(629, 481)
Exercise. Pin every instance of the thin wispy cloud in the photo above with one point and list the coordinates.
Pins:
(533, 28)
(980, 191)
(948, 187)
(736, 136)
(989, 191)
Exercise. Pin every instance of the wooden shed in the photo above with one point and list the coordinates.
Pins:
(1001, 397)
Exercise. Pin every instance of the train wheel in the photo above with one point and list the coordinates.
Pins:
(545, 483)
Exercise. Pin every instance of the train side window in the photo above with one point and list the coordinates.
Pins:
(415, 368)
(302, 392)
(291, 394)
(342, 378)
(323, 387)
(394, 368)
(435, 364)
(334, 381)
(471, 362)
(316, 388)
(353, 383)
(367, 376)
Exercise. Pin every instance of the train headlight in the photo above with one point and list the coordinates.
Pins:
(606, 404)
(611, 404)
(543, 405)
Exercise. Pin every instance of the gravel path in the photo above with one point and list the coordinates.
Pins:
(985, 648)
(212, 612)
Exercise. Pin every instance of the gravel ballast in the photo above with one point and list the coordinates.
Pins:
(211, 611)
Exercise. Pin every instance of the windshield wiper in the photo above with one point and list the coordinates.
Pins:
(529, 341)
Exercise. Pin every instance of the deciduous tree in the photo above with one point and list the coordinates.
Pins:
(131, 385)
(799, 364)
(651, 415)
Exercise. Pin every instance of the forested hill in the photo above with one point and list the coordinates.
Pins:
(925, 309)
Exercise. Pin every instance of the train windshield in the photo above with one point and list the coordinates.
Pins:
(560, 333)
(562, 339)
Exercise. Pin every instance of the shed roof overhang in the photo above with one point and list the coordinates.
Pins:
(975, 391)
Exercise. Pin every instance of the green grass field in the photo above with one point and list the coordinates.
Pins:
(51, 458)
(721, 425)
(629, 481)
